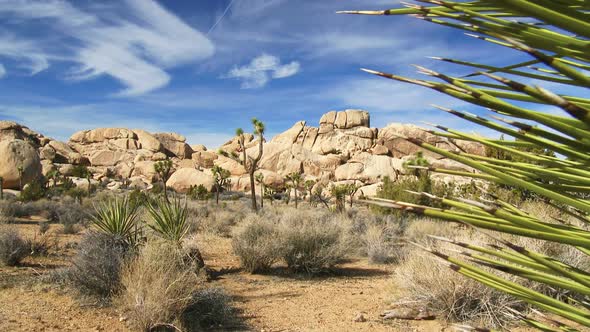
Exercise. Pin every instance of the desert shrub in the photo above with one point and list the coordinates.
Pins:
(451, 295)
(41, 245)
(138, 197)
(458, 298)
(159, 285)
(71, 218)
(80, 171)
(208, 307)
(379, 249)
(96, 268)
(220, 221)
(13, 248)
(256, 243)
(312, 242)
(375, 236)
(199, 193)
(32, 192)
(7, 212)
(43, 227)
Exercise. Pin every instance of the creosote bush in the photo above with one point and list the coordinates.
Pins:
(312, 242)
(13, 248)
(255, 243)
(209, 307)
(96, 269)
(306, 240)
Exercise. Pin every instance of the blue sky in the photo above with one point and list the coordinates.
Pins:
(159, 65)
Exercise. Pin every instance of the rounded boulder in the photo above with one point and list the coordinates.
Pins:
(15, 154)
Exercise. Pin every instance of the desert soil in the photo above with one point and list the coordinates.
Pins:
(278, 301)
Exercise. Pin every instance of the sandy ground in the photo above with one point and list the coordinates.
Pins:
(277, 301)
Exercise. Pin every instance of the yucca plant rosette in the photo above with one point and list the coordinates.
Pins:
(554, 37)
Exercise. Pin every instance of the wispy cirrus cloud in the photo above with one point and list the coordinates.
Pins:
(262, 70)
(134, 46)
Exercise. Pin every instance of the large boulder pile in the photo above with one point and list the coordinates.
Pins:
(342, 149)
(345, 148)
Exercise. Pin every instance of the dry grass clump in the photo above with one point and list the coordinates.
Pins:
(459, 298)
(71, 219)
(7, 212)
(220, 221)
(307, 241)
(159, 285)
(449, 294)
(255, 243)
(422, 277)
(13, 248)
(312, 242)
(379, 248)
(373, 236)
(96, 269)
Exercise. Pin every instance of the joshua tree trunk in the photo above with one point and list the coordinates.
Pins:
(1, 188)
(252, 188)
(296, 197)
(217, 194)
(261, 194)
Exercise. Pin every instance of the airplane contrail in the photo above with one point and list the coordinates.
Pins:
(221, 17)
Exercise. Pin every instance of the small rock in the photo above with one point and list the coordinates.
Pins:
(409, 314)
(359, 318)
(122, 318)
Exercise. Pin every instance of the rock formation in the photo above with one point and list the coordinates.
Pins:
(342, 149)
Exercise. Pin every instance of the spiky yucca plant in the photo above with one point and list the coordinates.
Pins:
(118, 217)
(554, 35)
(168, 219)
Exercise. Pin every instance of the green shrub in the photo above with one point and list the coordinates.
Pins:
(168, 219)
(118, 217)
(199, 193)
(33, 191)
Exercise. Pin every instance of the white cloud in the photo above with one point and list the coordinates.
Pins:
(262, 69)
(383, 95)
(134, 50)
(2, 71)
(32, 59)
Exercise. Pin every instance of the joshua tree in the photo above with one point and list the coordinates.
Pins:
(351, 190)
(308, 185)
(260, 180)
(164, 170)
(249, 163)
(54, 175)
(221, 178)
(288, 188)
(553, 35)
(83, 172)
(269, 194)
(417, 164)
(339, 193)
(295, 179)
(1, 187)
